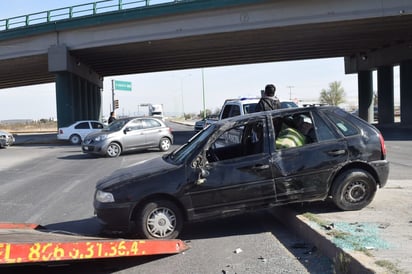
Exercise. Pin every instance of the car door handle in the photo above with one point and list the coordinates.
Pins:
(337, 152)
(260, 167)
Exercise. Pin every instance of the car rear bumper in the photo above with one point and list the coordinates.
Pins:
(62, 137)
(382, 169)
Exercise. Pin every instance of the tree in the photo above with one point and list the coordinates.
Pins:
(334, 96)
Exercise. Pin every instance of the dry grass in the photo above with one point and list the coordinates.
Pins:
(34, 126)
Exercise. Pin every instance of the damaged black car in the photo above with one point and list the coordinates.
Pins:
(244, 163)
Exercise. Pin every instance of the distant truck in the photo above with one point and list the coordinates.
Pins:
(156, 111)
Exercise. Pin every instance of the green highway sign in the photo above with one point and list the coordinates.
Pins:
(123, 85)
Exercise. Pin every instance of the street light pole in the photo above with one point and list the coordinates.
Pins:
(203, 94)
(181, 91)
(113, 95)
(290, 92)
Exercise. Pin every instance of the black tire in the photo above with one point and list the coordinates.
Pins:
(159, 220)
(75, 139)
(353, 190)
(164, 144)
(113, 150)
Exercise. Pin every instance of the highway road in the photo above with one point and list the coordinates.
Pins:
(53, 185)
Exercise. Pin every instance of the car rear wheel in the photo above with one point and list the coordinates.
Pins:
(75, 139)
(164, 144)
(159, 220)
(353, 189)
(113, 150)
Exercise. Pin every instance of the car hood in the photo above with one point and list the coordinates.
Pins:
(99, 132)
(141, 170)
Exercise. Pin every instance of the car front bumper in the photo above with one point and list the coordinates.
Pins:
(94, 148)
(114, 217)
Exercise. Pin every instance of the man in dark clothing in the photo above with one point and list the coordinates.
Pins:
(268, 101)
(112, 117)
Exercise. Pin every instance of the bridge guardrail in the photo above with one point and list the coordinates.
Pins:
(82, 10)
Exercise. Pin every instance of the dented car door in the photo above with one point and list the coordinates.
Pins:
(239, 176)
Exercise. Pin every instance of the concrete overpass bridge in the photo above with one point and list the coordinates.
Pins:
(78, 46)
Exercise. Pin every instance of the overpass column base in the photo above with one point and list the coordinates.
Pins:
(76, 98)
(365, 93)
(385, 95)
(405, 72)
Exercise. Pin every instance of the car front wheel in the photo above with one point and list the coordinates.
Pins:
(159, 220)
(113, 150)
(353, 189)
(75, 139)
(164, 144)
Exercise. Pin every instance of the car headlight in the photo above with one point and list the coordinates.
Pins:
(104, 197)
(100, 138)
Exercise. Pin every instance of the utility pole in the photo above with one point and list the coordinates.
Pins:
(113, 107)
(290, 92)
(203, 93)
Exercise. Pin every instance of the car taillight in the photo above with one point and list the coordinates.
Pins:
(170, 130)
(383, 147)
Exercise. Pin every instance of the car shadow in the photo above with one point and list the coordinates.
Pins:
(314, 207)
(85, 156)
(84, 227)
(79, 156)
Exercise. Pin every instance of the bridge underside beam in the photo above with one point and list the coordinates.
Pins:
(373, 59)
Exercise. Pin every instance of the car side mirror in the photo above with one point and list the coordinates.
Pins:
(126, 130)
(202, 176)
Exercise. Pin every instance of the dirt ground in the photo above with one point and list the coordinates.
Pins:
(15, 128)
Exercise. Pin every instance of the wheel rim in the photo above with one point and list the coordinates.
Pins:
(75, 139)
(113, 150)
(161, 222)
(165, 144)
(356, 192)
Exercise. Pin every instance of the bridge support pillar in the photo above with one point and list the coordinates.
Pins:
(76, 99)
(78, 88)
(365, 95)
(405, 75)
(385, 95)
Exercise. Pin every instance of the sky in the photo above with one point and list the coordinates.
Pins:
(181, 91)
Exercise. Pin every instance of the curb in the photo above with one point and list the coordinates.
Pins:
(344, 261)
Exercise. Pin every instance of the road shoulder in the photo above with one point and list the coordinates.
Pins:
(372, 240)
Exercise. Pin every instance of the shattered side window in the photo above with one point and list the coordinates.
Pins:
(238, 141)
(230, 137)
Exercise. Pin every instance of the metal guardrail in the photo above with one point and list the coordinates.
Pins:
(90, 9)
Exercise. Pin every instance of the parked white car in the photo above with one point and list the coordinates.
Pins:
(76, 132)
